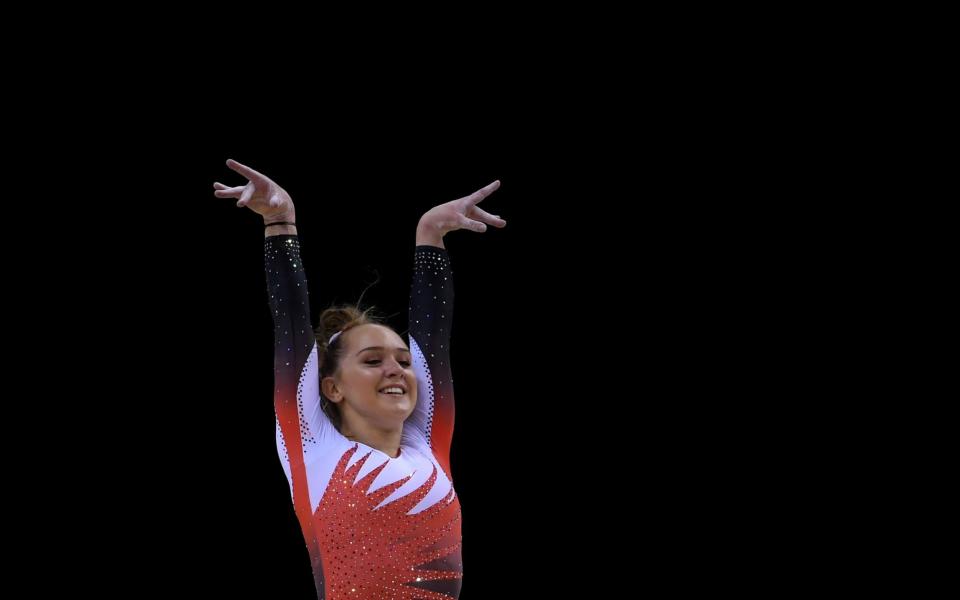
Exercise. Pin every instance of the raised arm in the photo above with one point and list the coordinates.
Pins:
(431, 315)
(296, 386)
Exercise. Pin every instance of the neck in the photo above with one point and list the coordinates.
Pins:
(384, 440)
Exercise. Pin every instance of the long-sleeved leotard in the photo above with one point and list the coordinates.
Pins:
(376, 527)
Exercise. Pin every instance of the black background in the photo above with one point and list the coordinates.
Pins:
(598, 341)
(534, 433)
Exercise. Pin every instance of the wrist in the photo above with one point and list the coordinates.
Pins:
(429, 235)
(285, 228)
(280, 224)
(288, 217)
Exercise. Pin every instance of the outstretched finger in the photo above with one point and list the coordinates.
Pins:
(228, 193)
(481, 215)
(467, 223)
(224, 191)
(246, 171)
(482, 193)
(485, 217)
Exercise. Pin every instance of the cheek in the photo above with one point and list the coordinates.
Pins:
(361, 382)
(365, 376)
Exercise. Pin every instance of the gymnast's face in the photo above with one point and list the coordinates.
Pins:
(375, 381)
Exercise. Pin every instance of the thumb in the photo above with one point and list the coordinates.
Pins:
(245, 196)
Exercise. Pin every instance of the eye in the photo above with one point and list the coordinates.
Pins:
(405, 363)
(372, 361)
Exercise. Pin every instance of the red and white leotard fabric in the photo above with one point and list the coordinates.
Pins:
(376, 527)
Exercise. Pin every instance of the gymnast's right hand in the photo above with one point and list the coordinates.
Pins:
(260, 194)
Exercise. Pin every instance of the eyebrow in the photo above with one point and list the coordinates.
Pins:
(380, 348)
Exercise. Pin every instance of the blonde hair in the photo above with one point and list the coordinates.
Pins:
(338, 319)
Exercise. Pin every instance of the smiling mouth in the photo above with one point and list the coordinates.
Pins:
(385, 393)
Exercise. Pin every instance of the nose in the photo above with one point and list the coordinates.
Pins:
(392, 367)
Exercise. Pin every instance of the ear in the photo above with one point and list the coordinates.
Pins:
(330, 390)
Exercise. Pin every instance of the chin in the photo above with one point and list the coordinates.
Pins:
(397, 405)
